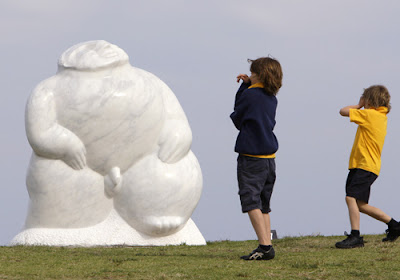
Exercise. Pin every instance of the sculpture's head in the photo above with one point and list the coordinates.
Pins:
(92, 55)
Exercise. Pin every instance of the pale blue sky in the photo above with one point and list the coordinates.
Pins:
(329, 51)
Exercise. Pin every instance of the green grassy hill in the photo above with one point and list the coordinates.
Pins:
(296, 258)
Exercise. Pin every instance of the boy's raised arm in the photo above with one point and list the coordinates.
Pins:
(345, 111)
(243, 77)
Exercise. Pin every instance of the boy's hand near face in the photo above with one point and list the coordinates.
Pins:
(345, 111)
(244, 77)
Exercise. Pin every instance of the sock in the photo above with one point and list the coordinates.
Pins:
(393, 223)
(265, 247)
(355, 233)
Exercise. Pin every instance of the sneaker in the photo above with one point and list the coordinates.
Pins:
(260, 254)
(391, 234)
(350, 242)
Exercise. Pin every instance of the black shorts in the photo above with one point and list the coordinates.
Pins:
(256, 177)
(358, 184)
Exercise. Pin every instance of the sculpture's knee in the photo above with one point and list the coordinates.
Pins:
(157, 198)
(61, 197)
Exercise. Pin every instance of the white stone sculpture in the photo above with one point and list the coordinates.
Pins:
(111, 160)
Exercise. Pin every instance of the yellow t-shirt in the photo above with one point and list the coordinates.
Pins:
(370, 136)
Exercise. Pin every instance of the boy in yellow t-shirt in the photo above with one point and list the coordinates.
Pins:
(365, 162)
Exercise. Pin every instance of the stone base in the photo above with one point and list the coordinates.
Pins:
(114, 231)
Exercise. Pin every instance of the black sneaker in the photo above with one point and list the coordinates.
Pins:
(350, 242)
(260, 254)
(391, 234)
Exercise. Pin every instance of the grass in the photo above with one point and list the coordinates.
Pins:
(296, 258)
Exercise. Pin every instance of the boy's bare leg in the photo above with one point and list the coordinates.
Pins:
(374, 212)
(267, 220)
(354, 213)
(354, 239)
(262, 226)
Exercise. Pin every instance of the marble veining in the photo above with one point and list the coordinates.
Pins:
(108, 139)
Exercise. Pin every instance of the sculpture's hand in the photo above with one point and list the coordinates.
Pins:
(175, 141)
(47, 137)
(75, 156)
(176, 137)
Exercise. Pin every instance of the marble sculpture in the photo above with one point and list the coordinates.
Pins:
(111, 161)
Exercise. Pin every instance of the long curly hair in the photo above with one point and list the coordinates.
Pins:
(269, 72)
(377, 96)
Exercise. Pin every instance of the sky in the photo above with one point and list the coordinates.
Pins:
(329, 51)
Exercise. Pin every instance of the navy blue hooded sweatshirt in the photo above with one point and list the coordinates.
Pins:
(254, 117)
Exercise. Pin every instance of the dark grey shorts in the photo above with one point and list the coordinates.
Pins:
(358, 184)
(256, 177)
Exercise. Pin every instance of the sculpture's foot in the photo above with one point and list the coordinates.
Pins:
(165, 225)
(113, 182)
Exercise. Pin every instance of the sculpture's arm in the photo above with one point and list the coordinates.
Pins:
(176, 136)
(47, 138)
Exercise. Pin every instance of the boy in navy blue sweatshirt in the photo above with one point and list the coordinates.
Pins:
(254, 117)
